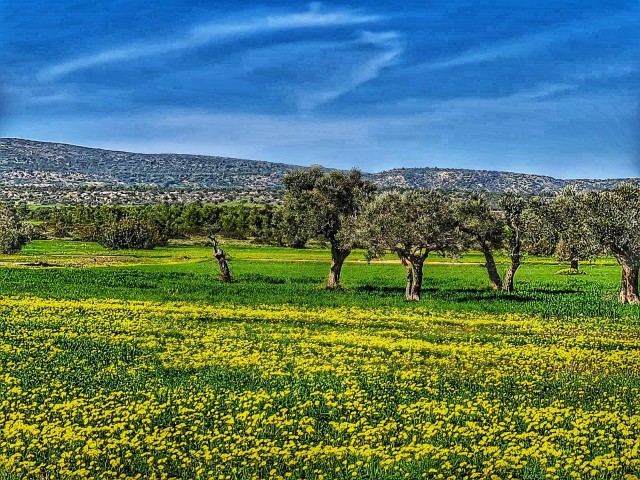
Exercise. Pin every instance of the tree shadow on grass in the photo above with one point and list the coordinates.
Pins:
(555, 291)
(491, 297)
(378, 289)
(470, 295)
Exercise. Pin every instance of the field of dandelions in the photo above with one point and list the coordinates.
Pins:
(164, 385)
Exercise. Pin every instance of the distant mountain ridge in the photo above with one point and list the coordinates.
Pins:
(25, 163)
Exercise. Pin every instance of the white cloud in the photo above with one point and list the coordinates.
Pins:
(313, 17)
(390, 48)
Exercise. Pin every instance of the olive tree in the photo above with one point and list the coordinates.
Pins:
(514, 210)
(573, 243)
(321, 204)
(483, 228)
(613, 218)
(14, 233)
(295, 223)
(411, 225)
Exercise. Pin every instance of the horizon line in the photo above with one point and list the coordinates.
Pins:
(327, 168)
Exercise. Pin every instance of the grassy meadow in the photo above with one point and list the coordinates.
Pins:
(142, 365)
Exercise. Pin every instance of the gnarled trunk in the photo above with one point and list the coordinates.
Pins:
(338, 256)
(630, 265)
(509, 277)
(629, 283)
(490, 264)
(514, 255)
(574, 264)
(221, 258)
(413, 289)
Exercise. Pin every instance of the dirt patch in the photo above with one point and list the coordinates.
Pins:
(73, 261)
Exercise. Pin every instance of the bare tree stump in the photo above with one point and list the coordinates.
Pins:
(221, 258)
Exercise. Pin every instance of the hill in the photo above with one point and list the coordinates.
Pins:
(33, 163)
(29, 163)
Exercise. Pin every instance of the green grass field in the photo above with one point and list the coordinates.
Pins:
(272, 275)
(142, 365)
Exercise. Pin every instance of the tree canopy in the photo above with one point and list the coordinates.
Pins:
(321, 204)
(411, 225)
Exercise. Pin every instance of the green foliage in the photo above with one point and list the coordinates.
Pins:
(412, 225)
(14, 233)
(480, 224)
(612, 218)
(570, 219)
(542, 227)
(319, 204)
(130, 233)
(514, 209)
(238, 221)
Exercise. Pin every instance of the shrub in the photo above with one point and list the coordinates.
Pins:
(85, 233)
(130, 234)
(14, 233)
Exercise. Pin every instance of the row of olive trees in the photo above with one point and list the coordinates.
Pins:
(343, 209)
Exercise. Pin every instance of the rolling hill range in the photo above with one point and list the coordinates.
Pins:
(28, 163)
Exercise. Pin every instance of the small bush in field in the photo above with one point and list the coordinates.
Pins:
(130, 234)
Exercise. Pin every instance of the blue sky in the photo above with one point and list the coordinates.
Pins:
(548, 87)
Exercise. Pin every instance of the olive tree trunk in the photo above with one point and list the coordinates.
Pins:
(574, 264)
(413, 289)
(221, 258)
(514, 255)
(510, 275)
(338, 256)
(629, 282)
(492, 269)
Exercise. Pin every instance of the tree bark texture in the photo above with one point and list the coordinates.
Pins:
(492, 269)
(413, 289)
(221, 258)
(509, 277)
(514, 255)
(629, 283)
(338, 256)
(574, 264)
(630, 265)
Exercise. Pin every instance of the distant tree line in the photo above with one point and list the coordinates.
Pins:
(160, 222)
(343, 210)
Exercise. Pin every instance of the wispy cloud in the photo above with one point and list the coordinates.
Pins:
(314, 17)
(527, 44)
(389, 49)
(544, 91)
(544, 105)
(26, 97)
(609, 70)
(481, 132)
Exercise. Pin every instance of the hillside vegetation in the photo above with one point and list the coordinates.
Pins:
(28, 163)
